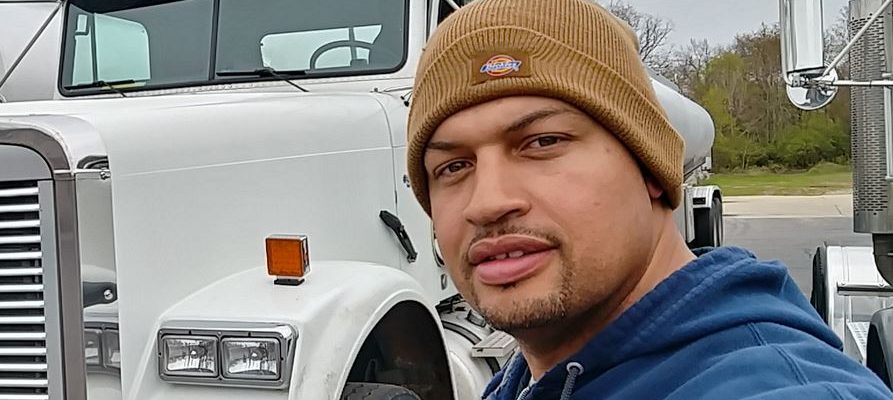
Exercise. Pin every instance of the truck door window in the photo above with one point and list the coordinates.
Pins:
(109, 49)
(151, 42)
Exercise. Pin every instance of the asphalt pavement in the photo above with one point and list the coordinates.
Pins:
(790, 228)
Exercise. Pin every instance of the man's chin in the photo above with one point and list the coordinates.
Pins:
(513, 313)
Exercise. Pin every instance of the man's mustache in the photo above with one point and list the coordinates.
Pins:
(503, 229)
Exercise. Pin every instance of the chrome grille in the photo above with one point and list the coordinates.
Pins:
(23, 361)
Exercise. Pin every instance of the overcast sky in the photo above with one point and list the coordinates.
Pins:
(719, 20)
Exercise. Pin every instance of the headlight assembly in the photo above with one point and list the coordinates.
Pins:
(234, 354)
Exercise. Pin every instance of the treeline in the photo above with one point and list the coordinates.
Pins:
(741, 87)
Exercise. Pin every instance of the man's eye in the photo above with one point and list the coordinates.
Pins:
(545, 141)
(453, 168)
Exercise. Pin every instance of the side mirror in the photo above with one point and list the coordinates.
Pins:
(803, 53)
(802, 39)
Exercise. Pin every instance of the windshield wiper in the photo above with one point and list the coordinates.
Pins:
(111, 85)
(267, 72)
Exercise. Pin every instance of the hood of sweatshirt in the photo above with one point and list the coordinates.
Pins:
(723, 289)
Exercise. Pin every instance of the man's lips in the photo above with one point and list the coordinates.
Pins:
(509, 259)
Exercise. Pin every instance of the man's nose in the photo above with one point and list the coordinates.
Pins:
(497, 194)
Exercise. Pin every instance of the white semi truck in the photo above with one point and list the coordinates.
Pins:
(138, 192)
(851, 285)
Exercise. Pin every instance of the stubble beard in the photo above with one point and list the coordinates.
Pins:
(532, 312)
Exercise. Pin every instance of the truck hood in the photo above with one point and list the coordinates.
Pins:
(177, 127)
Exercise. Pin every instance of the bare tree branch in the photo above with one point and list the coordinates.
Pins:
(653, 32)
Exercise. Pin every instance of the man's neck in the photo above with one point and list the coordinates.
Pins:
(544, 348)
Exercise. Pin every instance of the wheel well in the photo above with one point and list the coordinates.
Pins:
(406, 348)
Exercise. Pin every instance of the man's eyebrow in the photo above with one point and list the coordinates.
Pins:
(517, 125)
(530, 119)
(442, 146)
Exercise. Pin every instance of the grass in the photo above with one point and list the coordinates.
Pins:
(822, 179)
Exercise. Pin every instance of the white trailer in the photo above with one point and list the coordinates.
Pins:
(136, 198)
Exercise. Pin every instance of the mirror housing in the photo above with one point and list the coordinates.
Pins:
(802, 37)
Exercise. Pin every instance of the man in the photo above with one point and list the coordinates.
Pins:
(551, 174)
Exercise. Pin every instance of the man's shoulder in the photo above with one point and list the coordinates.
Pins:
(784, 363)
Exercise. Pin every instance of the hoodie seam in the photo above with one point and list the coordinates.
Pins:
(833, 390)
(798, 373)
(756, 334)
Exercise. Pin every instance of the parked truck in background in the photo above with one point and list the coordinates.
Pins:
(158, 147)
(851, 285)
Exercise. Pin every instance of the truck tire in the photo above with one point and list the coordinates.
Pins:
(708, 225)
(819, 295)
(376, 391)
(880, 344)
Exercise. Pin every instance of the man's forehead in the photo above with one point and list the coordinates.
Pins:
(497, 117)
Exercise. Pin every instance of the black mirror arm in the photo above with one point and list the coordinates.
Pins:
(393, 222)
(99, 293)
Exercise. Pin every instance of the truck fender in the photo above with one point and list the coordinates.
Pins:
(345, 314)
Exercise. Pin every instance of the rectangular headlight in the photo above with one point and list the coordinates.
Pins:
(93, 347)
(111, 349)
(194, 356)
(251, 358)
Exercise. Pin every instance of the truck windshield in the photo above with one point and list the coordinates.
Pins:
(142, 44)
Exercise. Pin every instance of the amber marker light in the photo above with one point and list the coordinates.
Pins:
(288, 258)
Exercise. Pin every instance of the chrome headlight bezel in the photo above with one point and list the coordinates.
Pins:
(284, 334)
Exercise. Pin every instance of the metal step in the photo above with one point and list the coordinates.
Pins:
(857, 333)
(498, 345)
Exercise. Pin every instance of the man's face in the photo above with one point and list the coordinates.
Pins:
(541, 214)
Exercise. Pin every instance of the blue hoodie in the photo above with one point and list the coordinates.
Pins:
(724, 327)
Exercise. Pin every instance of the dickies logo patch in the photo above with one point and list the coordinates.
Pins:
(504, 64)
(501, 65)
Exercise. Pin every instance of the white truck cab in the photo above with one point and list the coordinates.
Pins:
(137, 194)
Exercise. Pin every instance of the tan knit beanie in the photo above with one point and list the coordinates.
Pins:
(571, 50)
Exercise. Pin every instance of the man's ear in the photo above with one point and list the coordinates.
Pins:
(655, 190)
